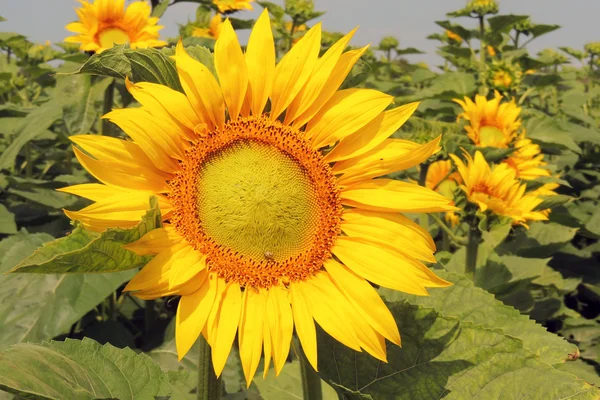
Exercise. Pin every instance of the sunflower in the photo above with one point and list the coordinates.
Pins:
(497, 189)
(490, 123)
(264, 232)
(104, 23)
(491, 51)
(213, 28)
(233, 5)
(441, 179)
(527, 159)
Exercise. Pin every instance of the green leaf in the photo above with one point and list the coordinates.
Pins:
(539, 30)
(160, 8)
(7, 221)
(505, 22)
(84, 251)
(464, 33)
(81, 100)
(40, 307)
(83, 369)
(444, 357)
(593, 225)
(553, 201)
(448, 86)
(151, 65)
(541, 240)
(472, 304)
(547, 131)
(408, 50)
(112, 63)
(36, 123)
(275, 10)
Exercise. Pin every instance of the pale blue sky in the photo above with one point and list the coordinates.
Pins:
(410, 21)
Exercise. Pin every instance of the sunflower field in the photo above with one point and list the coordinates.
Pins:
(287, 215)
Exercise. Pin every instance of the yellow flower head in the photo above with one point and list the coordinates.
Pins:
(453, 36)
(491, 124)
(527, 159)
(491, 51)
(497, 189)
(502, 80)
(233, 5)
(213, 28)
(440, 178)
(263, 232)
(104, 23)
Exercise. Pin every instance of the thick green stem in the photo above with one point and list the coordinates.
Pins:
(459, 240)
(28, 160)
(517, 40)
(445, 241)
(472, 246)
(149, 318)
(106, 127)
(482, 50)
(311, 382)
(209, 386)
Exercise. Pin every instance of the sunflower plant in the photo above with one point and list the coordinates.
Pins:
(209, 216)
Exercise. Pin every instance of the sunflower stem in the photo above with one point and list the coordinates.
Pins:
(482, 50)
(474, 238)
(106, 127)
(311, 382)
(209, 386)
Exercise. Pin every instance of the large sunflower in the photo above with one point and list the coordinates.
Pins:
(527, 160)
(104, 23)
(497, 189)
(264, 233)
(490, 123)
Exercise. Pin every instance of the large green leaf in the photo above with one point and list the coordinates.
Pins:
(84, 251)
(33, 125)
(81, 97)
(547, 131)
(473, 304)
(142, 65)
(444, 357)
(84, 369)
(7, 221)
(39, 307)
(541, 240)
(504, 22)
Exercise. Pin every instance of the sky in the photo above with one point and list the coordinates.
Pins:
(409, 21)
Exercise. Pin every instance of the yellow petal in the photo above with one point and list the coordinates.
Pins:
(385, 267)
(260, 60)
(318, 79)
(158, 139)
(267, 342)
(192, 313)
(294, 69)
(122, 175)
(372, 134)
(186, 267)
(346, 112)
(365, 299)
(201, 88)
(394, 196)
(158, 269)
(93, 191)
(392, 229)
(326, 312)
(231, 68)
(155, 241)
(305, 326)
(250, 336)
(390, 156)
(281, 325)
(337, 76)
(162, 98)
(227, 323)
(123, 210)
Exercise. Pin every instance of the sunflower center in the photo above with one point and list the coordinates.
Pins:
(111, 36)
(491, 136)
(257, 201)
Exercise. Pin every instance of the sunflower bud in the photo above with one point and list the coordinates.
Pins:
(483, 7)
